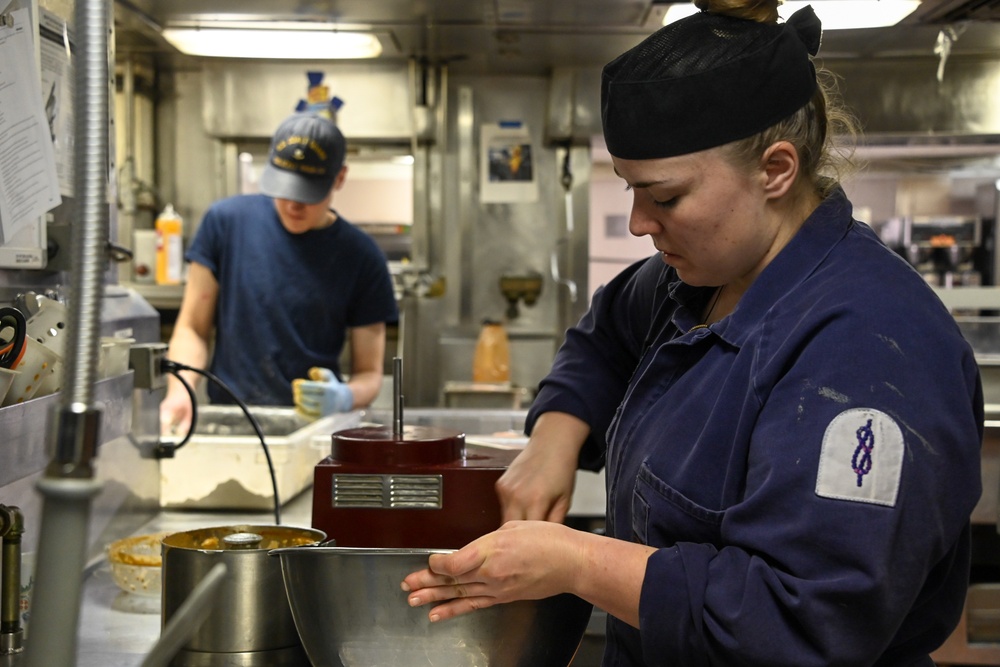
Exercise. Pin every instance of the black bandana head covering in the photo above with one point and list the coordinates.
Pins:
(705, 81)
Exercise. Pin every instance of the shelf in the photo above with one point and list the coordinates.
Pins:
(958, 650)
(161, 297)
(25, 426)
(970, 298)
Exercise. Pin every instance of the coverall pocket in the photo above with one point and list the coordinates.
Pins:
(662, 516)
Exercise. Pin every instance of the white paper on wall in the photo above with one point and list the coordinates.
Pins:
(29, 185)
(57, 94)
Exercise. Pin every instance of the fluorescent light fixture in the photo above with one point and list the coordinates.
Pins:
(300, 41)
(835, 14)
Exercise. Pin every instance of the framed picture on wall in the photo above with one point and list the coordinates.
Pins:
(507, 169)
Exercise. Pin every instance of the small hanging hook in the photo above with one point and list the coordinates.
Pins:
(567, 174)
(942, 46)
(119, 253)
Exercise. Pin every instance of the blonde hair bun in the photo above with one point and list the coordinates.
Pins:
(762, 11)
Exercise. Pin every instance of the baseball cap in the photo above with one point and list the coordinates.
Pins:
(307, 152)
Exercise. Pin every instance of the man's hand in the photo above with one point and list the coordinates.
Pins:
(322, 394)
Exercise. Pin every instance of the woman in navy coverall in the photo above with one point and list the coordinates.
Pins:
(789, 418)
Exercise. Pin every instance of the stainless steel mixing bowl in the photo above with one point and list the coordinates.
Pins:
(350, 612)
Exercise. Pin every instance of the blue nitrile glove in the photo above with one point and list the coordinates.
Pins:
(322, 394)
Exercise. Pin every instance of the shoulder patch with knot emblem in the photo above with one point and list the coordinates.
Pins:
(862, 458)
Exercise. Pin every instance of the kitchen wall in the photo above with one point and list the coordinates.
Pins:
(482, 242)
(611, 246)
(202, 113)
(888, 184)
(203, 116)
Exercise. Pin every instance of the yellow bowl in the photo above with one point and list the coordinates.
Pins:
(136, 563)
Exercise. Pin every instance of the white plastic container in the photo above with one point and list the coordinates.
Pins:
(114, 356)
(36, 365)
(223, 465)
(144, 256)
(6, 380)
(49, 325)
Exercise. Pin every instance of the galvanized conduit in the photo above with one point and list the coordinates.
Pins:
(68, 485)
(90, 232)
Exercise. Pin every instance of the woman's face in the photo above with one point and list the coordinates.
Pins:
(709, 219)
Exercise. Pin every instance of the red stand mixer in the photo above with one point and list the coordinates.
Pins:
(407, 487)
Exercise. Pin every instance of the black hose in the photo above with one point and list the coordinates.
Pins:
(174, 366)
(11, 351)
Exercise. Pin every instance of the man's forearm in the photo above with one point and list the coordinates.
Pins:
(365, 387)
(188, 348)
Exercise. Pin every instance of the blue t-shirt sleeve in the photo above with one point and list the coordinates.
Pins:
(374, 300)
(206, 247)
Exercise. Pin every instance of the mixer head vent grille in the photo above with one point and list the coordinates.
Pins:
(388, 491)
(415, 491)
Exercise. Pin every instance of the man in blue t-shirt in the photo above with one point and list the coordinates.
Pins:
(282, 281)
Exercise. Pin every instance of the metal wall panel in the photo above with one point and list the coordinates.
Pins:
(896, 99)
(903, 97)
(474, 243)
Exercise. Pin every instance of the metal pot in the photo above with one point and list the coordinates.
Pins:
(250, 622)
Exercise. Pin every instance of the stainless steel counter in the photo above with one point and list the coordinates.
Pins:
(117, 629)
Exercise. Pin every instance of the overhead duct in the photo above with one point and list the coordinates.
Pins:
(899, 97)
(955, 11)
(249, 99)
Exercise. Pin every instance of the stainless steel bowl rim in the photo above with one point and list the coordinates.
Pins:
(174, 540)
(358, 551)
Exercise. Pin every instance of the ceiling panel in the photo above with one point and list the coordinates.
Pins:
(530, 36)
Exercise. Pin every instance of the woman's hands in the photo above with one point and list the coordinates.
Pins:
(538, 485)
(523, 560)
(530, 560)
(533, 555)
